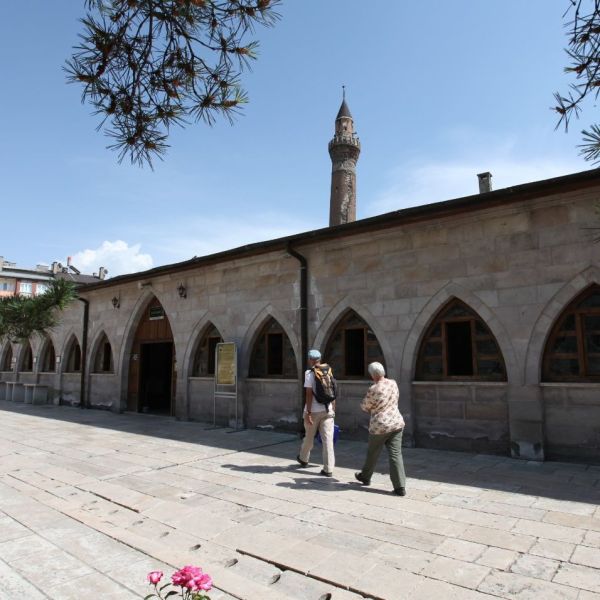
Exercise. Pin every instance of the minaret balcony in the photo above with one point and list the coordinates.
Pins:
(344, 140)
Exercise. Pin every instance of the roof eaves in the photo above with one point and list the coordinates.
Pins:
(403, 216)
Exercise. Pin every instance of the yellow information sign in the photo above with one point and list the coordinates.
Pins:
(226, 360)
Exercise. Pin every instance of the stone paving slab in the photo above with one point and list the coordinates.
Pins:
(100, 499)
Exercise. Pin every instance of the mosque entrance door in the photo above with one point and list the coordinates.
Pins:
(152, 380)
(156, 370)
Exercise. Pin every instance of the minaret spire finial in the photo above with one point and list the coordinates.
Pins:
(343, 92)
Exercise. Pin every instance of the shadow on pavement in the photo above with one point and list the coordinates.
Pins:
(562, 481)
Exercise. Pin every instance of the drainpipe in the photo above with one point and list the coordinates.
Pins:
(303, 322)
(84, 336)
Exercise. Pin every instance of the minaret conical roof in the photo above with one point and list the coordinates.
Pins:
(344, 110)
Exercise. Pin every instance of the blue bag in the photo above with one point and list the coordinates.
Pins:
(336, 435)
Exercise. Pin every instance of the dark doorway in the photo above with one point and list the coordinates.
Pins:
(156, 372)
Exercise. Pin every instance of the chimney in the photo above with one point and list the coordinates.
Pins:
(485, 182)
(1, 262)
(68, 261)
(55, 267)
(102, 272)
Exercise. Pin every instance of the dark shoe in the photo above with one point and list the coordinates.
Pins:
(302, 463)
(400, 491)
(359, 477)
(324, 472)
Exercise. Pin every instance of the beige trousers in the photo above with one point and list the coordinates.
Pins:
(323, 422)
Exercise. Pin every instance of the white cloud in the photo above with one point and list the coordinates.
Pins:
(435, 181)
(118, 257)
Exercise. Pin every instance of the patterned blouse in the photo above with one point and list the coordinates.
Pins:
(382, 402)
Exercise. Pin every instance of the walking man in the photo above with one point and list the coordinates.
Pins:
(317, 417)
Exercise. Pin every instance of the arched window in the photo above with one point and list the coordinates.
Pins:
(48, 357)
(351, 347)
(73, 354)
(572, 351)
(458, 345)
(7, 358)
(204, 359)
(272, 354)
(103, 361)
(26, 358)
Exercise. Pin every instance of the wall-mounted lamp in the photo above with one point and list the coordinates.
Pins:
(116, 302)
(181, 290)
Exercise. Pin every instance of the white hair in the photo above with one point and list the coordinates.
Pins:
(377, 369)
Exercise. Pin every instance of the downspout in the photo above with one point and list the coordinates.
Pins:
(303, 323)
(84, 337)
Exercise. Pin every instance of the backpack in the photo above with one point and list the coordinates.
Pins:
(325, 391)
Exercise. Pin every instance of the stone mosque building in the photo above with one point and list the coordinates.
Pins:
(485, 309)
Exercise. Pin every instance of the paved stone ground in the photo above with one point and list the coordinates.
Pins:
(91, 501)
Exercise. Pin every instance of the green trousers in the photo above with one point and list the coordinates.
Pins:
(393, 443)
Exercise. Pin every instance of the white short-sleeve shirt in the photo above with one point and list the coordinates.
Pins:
(309, 382)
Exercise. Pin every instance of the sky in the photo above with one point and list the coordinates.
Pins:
(439, 92)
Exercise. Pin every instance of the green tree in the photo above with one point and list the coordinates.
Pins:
(584, 55)
(146, 65)
(22, 316)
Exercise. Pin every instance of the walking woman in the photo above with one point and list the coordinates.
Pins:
(385, 429)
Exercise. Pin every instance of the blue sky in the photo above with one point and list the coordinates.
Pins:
(439, 91)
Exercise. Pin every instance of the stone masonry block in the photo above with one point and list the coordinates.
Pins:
(550, 216)
(489, 411)
(424, 238)
(526, 440)
(518, 296)
(449, 409)
(448, 269)
(525, 411)
(514, 242)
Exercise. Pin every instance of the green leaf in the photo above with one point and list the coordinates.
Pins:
(21, 316)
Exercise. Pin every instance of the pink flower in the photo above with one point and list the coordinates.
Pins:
(155, 576)
(204, 583)
(188, 577)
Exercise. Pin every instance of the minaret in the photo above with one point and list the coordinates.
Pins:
(344, 149)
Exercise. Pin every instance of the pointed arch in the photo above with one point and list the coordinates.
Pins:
(458, 345)
(47, 357)
(202, 358)
(149, 365)
(337, 313)
(102, 354)
(25, 357)
(549, 317)
(351, 346)
(572, 350)
(432, 308)
(6, 358)
(284, 343)
(71, 356)
(141, 304)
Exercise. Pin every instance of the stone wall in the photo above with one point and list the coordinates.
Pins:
(572, 420)
(461, 417)
(516, 265)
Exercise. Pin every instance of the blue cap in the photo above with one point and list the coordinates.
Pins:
(314, 354)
